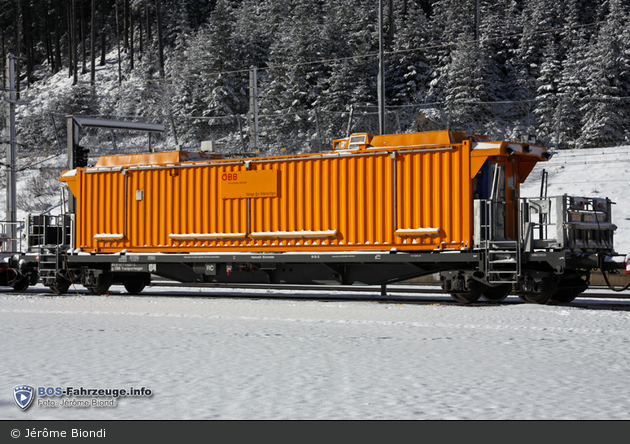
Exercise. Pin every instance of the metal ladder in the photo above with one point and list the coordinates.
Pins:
(49, 262)
(503, 262)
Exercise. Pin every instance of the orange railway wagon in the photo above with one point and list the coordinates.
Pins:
(408, 191)
(376, 209)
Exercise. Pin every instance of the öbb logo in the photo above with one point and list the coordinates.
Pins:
(229, 176)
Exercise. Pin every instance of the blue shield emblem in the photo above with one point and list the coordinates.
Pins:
(23, 396)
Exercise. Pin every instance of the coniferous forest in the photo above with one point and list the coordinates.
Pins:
(556, 69)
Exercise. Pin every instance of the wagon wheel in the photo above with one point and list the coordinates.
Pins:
(134, 287)
(564, 296)
(545, 289)
(99, 289)
(60, 288)
(34, 278)
(21, 284)
(467, 298)
(541, 298)
(496, 294)
(569, 291)
(102, 288)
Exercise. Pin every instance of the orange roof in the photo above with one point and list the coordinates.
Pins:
(161, 158)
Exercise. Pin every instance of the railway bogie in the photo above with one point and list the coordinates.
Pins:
(14, 273)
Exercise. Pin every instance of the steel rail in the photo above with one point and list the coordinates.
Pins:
(416, 288)
(424, 294)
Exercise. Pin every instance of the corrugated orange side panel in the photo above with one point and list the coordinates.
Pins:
(101, 208)
(373, 200)
(436, 194)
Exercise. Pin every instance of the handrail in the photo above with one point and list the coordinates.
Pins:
(6, 240)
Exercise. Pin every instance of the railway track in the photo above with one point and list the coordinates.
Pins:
(597, 297)
(597, 292)
(423, 293)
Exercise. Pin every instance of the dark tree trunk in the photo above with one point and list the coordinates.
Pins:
(49, 46)
(131, 40)
(103, 35)
(93, 44)
(140, 34)
(57, 39)
(75, 58)
(33, 37)
(18, 39)
(83, 45)
(390, 34)
(126, 25)
(25, 35)
(4, 58)
(147, 12)
(70, 58)
(29, 49)
(118, 43)
(160, 39)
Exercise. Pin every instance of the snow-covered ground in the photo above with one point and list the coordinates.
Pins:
(255, 358)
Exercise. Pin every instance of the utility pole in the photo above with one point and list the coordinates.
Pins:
(11, 214)
(254, 143)
(381, 72)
